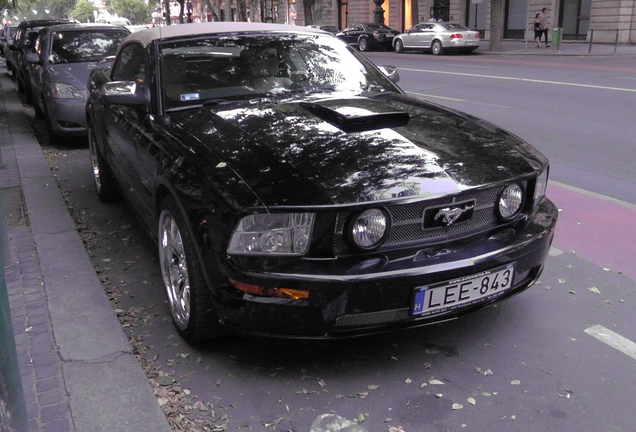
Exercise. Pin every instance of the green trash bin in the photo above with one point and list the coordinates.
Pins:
(556, 36)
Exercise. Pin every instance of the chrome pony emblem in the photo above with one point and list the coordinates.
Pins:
(449, 215)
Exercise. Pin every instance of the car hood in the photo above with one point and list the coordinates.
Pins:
(75, 74)
(344, 150)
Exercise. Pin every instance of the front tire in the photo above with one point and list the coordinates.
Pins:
(105, 184)
(399, 46)
(363, 44)
(189, 299)
(437, 48)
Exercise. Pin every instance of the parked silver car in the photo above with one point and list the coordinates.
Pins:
(63, 57)
(438, 37)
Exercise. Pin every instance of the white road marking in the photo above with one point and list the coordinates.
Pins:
(522, 79)
(613, 339)
(430, 96)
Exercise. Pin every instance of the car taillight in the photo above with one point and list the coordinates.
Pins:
(456, 36)
(477, 35)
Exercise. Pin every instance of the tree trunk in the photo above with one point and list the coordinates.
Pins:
(166, 6)
(496, 24)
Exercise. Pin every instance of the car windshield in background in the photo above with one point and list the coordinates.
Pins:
(75, 46)
(229, 67)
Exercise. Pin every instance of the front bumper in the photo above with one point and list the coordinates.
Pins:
(355, 296)
(67, 116)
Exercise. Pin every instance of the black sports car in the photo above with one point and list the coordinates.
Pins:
(295, 191)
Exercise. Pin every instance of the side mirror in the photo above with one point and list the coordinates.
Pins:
(31, 58)
(391, 73)
(123, 93)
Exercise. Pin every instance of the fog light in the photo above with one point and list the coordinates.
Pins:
(510, 201)
(368, 229)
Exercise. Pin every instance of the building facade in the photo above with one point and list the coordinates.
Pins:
(608, 19)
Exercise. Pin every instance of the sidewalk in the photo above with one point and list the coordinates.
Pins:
(567, 48)
(78, 370)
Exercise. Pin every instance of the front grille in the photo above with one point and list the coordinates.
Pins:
(406, 220)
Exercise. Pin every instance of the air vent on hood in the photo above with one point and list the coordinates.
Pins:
(362, 123)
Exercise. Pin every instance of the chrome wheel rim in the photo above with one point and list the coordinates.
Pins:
(174, 269)
(436, 48)
(362, 45)
(92, 150)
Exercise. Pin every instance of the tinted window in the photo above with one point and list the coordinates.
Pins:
(74, 46)
(454, 27)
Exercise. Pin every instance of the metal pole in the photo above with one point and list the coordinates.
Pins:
(589, 50)
(616, 42)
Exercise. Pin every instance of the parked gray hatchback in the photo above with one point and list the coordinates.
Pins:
(58, 70)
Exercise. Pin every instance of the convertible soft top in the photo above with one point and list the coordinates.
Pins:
(176, 31)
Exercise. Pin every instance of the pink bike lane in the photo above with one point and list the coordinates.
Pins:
(597, 228)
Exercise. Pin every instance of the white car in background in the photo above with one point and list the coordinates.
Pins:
(438, 37)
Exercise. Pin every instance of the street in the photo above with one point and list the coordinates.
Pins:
(551, 358)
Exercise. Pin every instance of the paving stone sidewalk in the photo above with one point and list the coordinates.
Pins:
(77, 368)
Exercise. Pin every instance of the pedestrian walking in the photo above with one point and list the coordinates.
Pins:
(543, 15)
(538, 30)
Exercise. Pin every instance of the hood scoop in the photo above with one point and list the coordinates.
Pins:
(361, 123)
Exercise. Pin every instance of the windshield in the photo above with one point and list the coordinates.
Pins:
(76, 46)
(231, 67)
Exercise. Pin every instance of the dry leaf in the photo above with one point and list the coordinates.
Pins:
(471, 401)
(457, 406)
(515, 382)
(373, 387)
(594, 290)
(408, 381)
(435, 382)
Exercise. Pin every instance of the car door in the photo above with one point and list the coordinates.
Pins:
(350, 34)
(125, 130)
(428, 33)
(36, 71)
(414, 37)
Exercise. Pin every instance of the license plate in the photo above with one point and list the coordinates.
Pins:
(449, 295)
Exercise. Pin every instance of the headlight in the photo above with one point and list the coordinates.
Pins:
(510, 201)
(366, 230)
(540, 186)
(65, 91)
(272, 234)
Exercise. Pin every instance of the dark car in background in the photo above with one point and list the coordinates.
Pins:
(58, 70)
(437, 38)
(22, 44)
(368, 36)
(328, 28)
(296, 192)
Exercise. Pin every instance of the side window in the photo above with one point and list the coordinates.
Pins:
(131, 64)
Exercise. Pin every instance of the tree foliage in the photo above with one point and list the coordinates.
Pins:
(137, 11)
(84, 11)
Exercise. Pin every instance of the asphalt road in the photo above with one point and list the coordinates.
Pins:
(534, 363)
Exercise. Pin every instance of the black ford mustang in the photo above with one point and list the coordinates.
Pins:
(295, 191)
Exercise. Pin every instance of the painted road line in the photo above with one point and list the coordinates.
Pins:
(530, 80)
(431, 96)
(613, 339)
